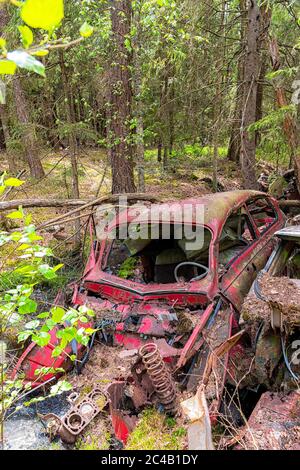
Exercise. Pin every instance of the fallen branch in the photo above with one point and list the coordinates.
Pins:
(81, 204)
(46, 225)
(10, 205)
(288, 204)
(111, 199)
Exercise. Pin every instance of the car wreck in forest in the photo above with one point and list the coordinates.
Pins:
(169, 304)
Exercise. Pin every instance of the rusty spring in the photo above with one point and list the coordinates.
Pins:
(159, 376)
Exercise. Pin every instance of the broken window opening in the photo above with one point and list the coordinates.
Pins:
(149, 257)
(237, 235)
(262, 213)
(287, 262)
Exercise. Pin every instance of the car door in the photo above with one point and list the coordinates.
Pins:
(242, 268)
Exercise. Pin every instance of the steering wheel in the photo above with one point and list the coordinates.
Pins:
(191, 263)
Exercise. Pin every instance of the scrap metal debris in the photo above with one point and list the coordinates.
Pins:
(274, 424)
(199, 428)
(159, 376)
(163, 337)
(78, 417)
(276, 293)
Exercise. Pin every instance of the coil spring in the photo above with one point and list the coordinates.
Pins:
(159, 376)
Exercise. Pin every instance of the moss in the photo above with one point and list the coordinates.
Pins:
(127, 268)
(156, 432)
(92, 442)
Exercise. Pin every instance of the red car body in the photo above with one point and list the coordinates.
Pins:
(152, 304)
(237, 279)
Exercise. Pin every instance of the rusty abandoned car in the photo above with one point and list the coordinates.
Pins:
(167, 303)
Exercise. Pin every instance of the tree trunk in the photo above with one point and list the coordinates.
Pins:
(159, 150)
(289, 124)
(6, 135)
(48, 114)
(29, 140)
(139, 108)
(252, 73)
(266, 15)
(70, 114)
(120, 99)
(234, 148)
(28, 132)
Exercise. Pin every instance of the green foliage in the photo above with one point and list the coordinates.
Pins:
(127, 268)
(43, 14)
(86, 30)
(19, 309)
(156, 432)
(273, 120)
(26, 36)
(8, 182)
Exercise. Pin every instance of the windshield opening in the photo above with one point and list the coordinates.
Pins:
(159, 253)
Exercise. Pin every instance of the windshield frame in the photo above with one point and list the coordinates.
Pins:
(105, 249)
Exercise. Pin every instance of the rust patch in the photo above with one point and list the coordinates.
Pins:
(274, 424)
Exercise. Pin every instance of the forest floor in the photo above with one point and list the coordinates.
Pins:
(181, 180)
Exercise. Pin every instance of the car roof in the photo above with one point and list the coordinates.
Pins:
(216, 209)
(289, 233)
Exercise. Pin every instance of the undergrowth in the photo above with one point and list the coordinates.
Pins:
(156, 432)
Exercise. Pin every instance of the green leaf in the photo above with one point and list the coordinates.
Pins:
(26, 61)
(29, 306)
(43, 315)
(15, 215)
(23, 336)
(83, 319)
(57, 267)
(57, 314)
(47, 271)
(127, 44)
(56, 351)
(32, 325)
(7, 67)
(44, 14)
(15, 182)
(42, 339)
(41, 52)
(28, 219)
(62, 386)
(2, 44)
(26, 36)
(86, 30)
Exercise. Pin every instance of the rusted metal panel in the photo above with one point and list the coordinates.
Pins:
(274, 424)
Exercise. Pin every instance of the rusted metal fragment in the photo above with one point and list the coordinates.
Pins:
(78, 417)
(199, 429)
(160, 377)
(274, 424)
(123, 421)
(267, 356)
(279, 297)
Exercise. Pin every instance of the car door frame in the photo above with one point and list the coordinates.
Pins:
(252, 259)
